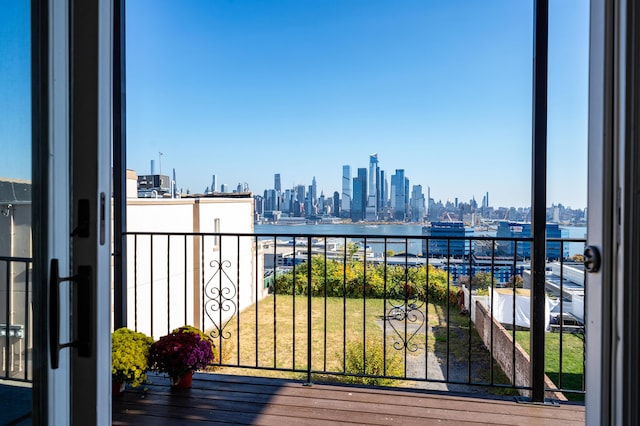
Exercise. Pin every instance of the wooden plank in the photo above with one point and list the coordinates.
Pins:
(248, 400)
(406, 400)
(307, 406)
(390, 406)
(133, 413)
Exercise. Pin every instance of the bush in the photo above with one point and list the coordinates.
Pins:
(129, 352)
(180, 351)
(374, 366)
(337, 279)
(203, 336)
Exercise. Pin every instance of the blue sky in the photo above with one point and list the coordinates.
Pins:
(244, 89)
(15, 90)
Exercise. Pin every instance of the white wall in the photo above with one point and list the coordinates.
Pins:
(199, 279)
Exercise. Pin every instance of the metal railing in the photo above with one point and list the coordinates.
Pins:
(370, 309)
(15, 317)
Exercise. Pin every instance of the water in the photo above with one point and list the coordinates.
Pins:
(414, 246)
(378, 247)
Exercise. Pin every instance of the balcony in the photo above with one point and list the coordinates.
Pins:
(383, 316)
(250, 400)
(15, 319)
(446, 343)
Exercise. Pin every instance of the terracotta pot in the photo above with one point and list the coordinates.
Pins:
(182, 382)
(117, 388)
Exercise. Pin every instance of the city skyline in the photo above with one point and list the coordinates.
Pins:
(439, 88)
(243, 89)
(481, 199)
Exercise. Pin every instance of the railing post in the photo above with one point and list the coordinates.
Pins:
(539, 196)
(119, 170)
(7, 320)
(309, 291)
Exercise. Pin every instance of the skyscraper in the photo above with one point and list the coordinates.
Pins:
(346, 191)
(309, 205)
(300, 193)
(214, 184)
(382, 200)
(359, 196)
(418, 211)
(372, 198)
(276, 182)
(398, 196)
(314, 194)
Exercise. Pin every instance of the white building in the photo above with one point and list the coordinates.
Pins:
(15, 274)
(201, 275)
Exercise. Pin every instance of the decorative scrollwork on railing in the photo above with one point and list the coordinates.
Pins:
(220, 292)
(406, 318)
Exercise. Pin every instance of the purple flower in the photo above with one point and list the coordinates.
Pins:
(179, 352)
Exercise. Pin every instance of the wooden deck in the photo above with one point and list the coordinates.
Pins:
(224, 399)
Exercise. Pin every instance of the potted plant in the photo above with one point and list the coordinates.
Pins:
(129, 364)
(180, 353)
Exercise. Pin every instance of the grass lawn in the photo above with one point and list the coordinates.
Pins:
(572, 360)
(282, 335)
(274, 336)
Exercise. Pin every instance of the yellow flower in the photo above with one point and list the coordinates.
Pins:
(129, 353)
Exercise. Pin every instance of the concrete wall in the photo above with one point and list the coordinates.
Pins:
(200, 279)
(503, 351)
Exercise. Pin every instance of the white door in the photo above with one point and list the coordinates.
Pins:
(71, 214)
(613, 292)
(91, 131)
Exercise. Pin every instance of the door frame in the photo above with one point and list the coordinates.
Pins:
(613, 295)
(91, 128)
(55, 75)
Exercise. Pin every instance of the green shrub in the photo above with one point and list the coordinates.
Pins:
(374, 365)
(339, 279)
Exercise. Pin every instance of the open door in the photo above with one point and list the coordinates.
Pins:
(613, 314)
(71, 162)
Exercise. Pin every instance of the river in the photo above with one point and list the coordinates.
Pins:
(366, 230)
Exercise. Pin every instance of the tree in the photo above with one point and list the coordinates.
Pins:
(518, 281)
(352, 249)
(482, 280)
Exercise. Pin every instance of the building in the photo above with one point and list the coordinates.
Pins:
(418, 209)
(15, 294)
(190, 268)
(277, 185)
(450, 248)
(399, 195)
(154, 186)
(508, 229)
(358, 204)
(371, 213)
(383, 185)
(336, 204)
(214, 183)
(345, 206)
